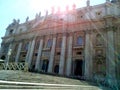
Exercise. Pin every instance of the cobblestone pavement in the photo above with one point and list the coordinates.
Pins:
(25, 80)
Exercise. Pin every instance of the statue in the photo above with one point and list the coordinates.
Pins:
(39, 14)
(27, 19)
(52, 10)
(14, 21)
(58, 10)
(67, 8)
(74, 6)
(18, 21)
(88, 2)
(46, 13)
(36, 15)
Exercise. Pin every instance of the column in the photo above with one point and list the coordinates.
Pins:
(69, 56)
(62, 56)
(27, 56)
(31, 53)
(8, 53)
(110, 54)
(8, 56)
(37, 65)
(88, 55)
(50, 67)
(18, 52)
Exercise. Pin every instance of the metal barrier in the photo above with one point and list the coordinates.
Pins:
(14, 66)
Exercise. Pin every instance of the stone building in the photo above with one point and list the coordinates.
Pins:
(79, 42)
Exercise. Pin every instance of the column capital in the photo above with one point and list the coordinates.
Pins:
(65, 34)
(54, 35)
(88, 31)
(41, 37)
(71, 33)
(111, 28)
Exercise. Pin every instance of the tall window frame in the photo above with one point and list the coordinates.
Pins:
(79, 41)
(49, 43)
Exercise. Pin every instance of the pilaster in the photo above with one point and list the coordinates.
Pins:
(88, 55)
(62, 56)
(18, 52)
(8, 53)
(31, 53)
(37, 65)
(27, 56)
(110, 53)
(69, 55)
(50, 67)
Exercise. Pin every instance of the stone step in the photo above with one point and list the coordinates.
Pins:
(26, 85)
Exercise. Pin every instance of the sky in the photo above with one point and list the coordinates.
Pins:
(20, 9)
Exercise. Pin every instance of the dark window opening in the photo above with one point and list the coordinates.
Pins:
(24, 55)
(11, 31)
(36, 54)
(58, 53)
(79, 53)
(81, 16)
(3, 57)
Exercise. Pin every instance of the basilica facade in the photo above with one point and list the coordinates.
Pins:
(80, 42)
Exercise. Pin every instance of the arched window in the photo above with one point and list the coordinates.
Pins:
(99, 40)
(49, 43)
(79, 40)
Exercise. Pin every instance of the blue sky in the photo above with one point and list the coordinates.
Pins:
(20, 9)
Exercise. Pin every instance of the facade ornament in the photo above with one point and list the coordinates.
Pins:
(99, 59)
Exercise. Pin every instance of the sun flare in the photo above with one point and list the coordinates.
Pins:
(57, 4)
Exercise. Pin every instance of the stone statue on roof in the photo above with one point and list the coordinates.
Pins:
(88, 2)
(14, 21)
(27, 19)
(39, 14)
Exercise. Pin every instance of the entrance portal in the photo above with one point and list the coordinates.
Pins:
(56, 69)
(78, 64)
(45, 65)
